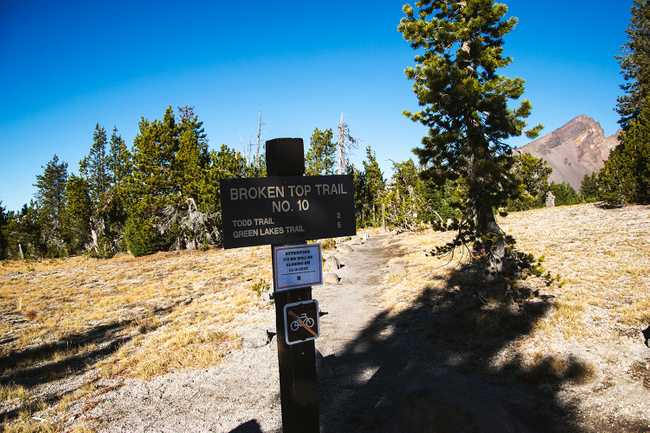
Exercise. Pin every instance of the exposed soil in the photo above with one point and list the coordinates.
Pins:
(413, 344)
(425, 368)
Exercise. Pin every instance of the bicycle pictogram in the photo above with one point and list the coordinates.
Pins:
(302, 321)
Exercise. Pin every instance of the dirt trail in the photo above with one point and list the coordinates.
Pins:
(420, 370)
(242, 393)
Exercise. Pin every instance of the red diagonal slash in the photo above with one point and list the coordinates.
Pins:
(302, 325)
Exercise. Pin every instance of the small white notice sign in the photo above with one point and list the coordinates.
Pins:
(297, 266)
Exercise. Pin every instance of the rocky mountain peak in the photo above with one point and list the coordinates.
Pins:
(574, 150)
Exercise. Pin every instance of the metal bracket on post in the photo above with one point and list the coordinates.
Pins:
(297, 362)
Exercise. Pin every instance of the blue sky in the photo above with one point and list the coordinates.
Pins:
(65, 66)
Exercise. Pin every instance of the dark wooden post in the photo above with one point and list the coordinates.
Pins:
(297, 363)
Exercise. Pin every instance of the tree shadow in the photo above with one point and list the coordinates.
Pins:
(251, 426)
(430, 368)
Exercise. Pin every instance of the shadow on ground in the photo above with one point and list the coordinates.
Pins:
(68, 357)
(251, 426)
(427, 369)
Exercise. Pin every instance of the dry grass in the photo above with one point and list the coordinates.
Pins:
(13, 392)
(26, 423)
(589, 339)
(52, 299)
(166, 312)
(603, 257)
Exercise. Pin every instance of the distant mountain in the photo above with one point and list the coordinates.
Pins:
(578, 148)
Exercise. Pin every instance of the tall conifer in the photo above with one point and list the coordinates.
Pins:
(321, 156)
(50, 198)
(465, 105)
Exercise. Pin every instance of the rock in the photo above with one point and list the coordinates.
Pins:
(344, 248)
(331, 278)
(254, 338)
(550, 199)
(332, 263)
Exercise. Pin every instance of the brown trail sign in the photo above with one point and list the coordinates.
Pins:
(288, 208)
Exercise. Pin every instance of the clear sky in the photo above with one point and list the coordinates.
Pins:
(65, 66)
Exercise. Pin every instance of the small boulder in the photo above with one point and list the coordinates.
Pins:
(332, 263)
(254, 338)
(344, 248)
(331, 278)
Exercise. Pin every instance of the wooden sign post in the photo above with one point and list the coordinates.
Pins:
(285, 209)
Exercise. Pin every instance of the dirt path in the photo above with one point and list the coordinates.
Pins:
(242, 393)
(423, 369)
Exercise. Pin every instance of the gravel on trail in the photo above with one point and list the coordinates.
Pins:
(242, 391)
(378, 372)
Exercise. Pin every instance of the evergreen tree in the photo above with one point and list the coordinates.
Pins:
(95, 167)
(442, 202)
(119, 158)
(359, 182)
(3, 238)
(532, 175)
(564, 194)
(111, 216)
(373, 186)
(151, 186)
(50, 198)
(190, 220)
(321, 157)
(403, 200)
(77, 213)
(23, 233)
(636, 146)
(465, 104)
(192, 158)
(224, 164)
(635, 64)
(589, 188)
(625, 178)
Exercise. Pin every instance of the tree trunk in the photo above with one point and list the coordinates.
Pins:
(20, 251)
(486, 224)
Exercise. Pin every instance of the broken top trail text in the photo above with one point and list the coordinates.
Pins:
(286, 209)
(282, 191)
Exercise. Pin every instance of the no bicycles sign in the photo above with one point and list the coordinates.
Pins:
(301, 321)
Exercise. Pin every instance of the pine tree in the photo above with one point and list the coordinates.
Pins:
(224, 164)
(635, 64)
(321, 156)
(532, 175)
(636, 146)
(465, 104)
(50, 198)
(151, 187)
(589, 188)
(359, 182)
(402, 201)
(95, 167)
(625, 178)
(373, 185)
(192, 158)
(109, 233)
(564, 194)
(23, 233)
(77, 213)
(119, 158)
(190, 219)
(442, 202)
(3, 236)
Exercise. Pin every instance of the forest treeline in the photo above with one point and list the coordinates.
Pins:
(162, 193)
